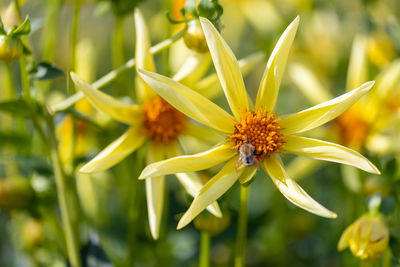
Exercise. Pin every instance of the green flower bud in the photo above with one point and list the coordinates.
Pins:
(194, 37)
(367, 237)
(11, 48)
(207, 222)
(15, 194)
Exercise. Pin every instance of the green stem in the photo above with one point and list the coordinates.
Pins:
(10, 85)
(118, 51)
(112, 75)
(50, 30)
(74, 38)
(70, 226)
(205, 242)
(242, 227)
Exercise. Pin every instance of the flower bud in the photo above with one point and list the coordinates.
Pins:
(207, 222)
(194, 37)
(10, 48)
(15, 194)
(367, 237)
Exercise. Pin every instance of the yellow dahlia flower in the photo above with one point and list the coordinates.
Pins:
(257, 125)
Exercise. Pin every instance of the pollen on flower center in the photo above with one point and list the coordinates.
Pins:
(352, 127)
(162, 122)
(260, 129)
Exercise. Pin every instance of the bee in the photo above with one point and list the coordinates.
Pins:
(247, 154)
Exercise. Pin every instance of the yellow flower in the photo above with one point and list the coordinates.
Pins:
(257, 126)
(154, 123)
(368, 237)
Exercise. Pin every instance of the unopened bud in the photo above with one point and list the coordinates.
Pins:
(15, 194)
(207, 222)
(367, 237)
(11, 48)
(194, 37)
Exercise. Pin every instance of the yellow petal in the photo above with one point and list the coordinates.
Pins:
(271, 80)
(144, 59)
(189, 102)
(210, 86)
(227, 69)
(193, 69)
(193, 184)
(155, 193)
(129, 114)
(315, 116)
(189, 163)
(323, 150)
(295, 194)
(344, 239)
(308, 84)
(203, 134)
(273, 166)
(211, 191)
(116, 151)
(247, 174)
(357, 72)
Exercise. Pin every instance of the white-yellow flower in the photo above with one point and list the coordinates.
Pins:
(258, 125)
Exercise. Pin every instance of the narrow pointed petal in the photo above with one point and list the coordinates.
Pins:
(247, 174)
(116, 151)
(129, 114)
(315, 116)
(271, 80)
(227, 69)
(193, 184)
(308, 84)
(358, 65)
(144, 59)
(193, 69)
(273, 166)
(344, 239)
(211, 191)
(295, 194)
(155, 193)
(189, 163)
(189, 102)
(323, 150)
(210, 86)
(203, 134)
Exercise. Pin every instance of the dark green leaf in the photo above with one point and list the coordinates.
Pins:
(2, 30)
(14, 139)
(23, 29)
(16, 107)
(45, 71)
(395, 242)
(29, 164)
(387, 205)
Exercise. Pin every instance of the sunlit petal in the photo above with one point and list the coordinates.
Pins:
(211, 191)
(227, 69)
(274, 168)
(189, 102)
(144, 59)
(116, 151)
(247, 174)
(210, 86)
(358, 65)
(193, 69)
(203, 134)
(271, 80)
(130, 114)
(310, 86)
(344, 239)
(328, 151)
(295, 194)
(155, 193)
(193, 184)
(189, 163)
(322, 113)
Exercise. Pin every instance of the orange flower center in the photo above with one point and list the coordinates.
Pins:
(162, 122)
(352, 128)
(261, 130)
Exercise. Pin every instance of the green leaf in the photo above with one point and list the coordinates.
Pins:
(2, 30)
(23, 29)
(14, 139)
(19, 107)
(45, 71)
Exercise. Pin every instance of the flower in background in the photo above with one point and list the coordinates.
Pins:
(255, 126)
(362, 126)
